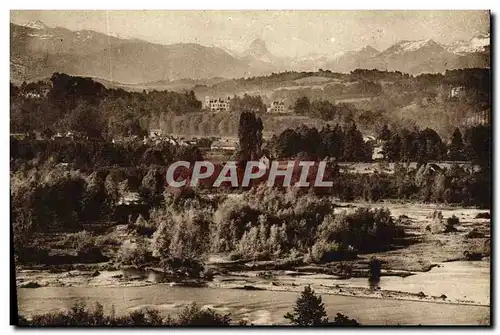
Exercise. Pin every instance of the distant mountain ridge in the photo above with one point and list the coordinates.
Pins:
(38, 50)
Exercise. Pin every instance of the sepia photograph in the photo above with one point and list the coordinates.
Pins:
(292, 168)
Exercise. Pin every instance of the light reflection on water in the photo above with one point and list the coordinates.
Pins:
(265, 307)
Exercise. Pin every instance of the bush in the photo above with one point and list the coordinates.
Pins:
(478, 249)
(142, 227)
(436, 226)
(365, 229)
(183, 267)
(323, 252)
(34, 253)
(483, 215)
(451, 224)
(474, 233)
(136, 254)
(77, 240)
(193, 315)
(89, 252)
(180, 242)
(342, 320)
(79, 315)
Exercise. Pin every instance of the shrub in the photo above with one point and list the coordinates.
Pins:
(478, 249)
(483, 215)
(365, 229)
(136, 254)
(180, 241)
(234, 256)
(183, 267)
(342, 320)
(79, 315)
(474, 233)
(437, 225)
(89, 252)
(323, 251)
(450, 224)
(142, 227)
(77, 240)
(193, 315)
(33, 253)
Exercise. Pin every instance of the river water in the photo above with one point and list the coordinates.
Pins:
(457, 280)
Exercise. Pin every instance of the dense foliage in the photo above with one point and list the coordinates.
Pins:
(80, 315)
(77, 104)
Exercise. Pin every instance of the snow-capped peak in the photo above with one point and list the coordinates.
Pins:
(475, 44)
(36, 25)
(407, 46)
(120, 36)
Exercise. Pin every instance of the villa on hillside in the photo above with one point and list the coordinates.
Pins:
(277, 107)
(217, 104)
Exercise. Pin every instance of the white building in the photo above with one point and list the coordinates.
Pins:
(457, 92)
(223, 146)
(217, 104)
(277, 107)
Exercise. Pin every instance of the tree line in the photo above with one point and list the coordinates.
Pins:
(83, 105)
(346, 144)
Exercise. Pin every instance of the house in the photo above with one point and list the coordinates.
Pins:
(378, 153)
(369, 139)
(223, 145)
(217, 104)
(277, 107)
(457, 92)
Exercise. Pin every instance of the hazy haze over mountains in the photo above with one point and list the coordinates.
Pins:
(39, 49)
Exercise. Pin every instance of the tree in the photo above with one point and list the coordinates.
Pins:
(309, 310)
(385, 133)
(355, 149)
(456, 149)
(393, 148)
(302, 106)
(478, 145)
(250, 136)
(248, 103)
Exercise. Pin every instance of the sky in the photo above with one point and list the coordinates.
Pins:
(286, 33)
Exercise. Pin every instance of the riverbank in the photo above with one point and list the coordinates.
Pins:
(424, 267)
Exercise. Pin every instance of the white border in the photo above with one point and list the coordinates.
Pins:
(190, 4)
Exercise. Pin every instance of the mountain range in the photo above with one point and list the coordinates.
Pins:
(36, 51)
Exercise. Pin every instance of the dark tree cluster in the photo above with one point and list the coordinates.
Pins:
(248, 103)
(95, 154)
(427, 183)
(342, 143)
(77, 104)
(324, 109)
(426, 145)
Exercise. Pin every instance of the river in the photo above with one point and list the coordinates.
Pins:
(458, 280)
